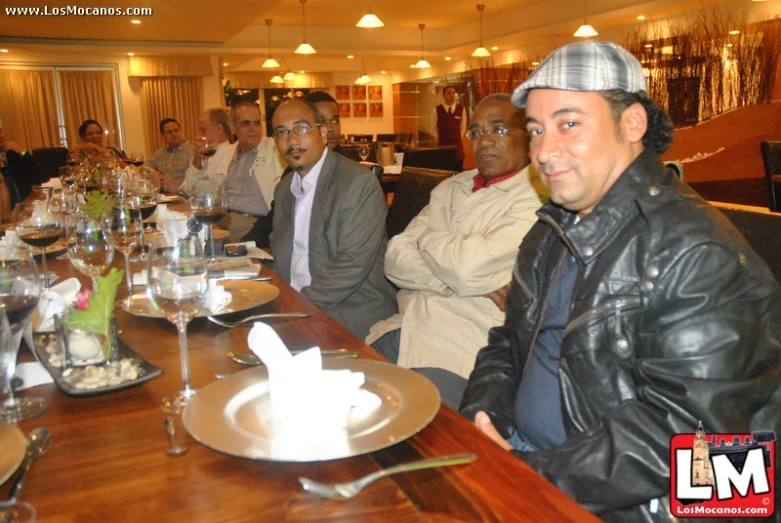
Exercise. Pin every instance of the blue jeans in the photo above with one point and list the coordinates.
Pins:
(519, 443)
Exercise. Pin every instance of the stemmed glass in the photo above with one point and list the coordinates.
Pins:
(146, 186)
(205, 148)
(177, 287)
(19, 294)
(38, 227)
(363, 152)
(92, 249)
(209, 205)
(17, 512)
(136, 159)
(126, 230)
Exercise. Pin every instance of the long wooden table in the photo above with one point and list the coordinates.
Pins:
(108, 459)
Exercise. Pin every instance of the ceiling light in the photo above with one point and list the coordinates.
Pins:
(301, 72)
(535, 63)
(641, 17)
(364, 78)
(649, 46)
(225, 64)
(276, 79)
(495, 48)
(729, 45)
(422, 63)
(270, 63)
(585, 30)
(383, 72)
(290, 75)
(5, 51)
(734, 32)
(350, 56)
(447, 58)
(135, 22)
(304, 48)
(369, 20)
(481, 52)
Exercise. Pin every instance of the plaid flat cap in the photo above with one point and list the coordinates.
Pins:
(585, 66)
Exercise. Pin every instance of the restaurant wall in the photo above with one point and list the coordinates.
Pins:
(367, 124)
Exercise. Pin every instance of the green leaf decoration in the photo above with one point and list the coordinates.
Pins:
(96, 318)
(96, 204)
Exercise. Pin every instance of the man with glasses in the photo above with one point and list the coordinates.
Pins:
(453, 263)
(329, 117)
(329, 223)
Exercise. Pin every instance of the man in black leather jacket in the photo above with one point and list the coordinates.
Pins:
(636, 309)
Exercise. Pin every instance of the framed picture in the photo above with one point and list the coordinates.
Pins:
(359, 92)
(375, 109)
(344, 110)
(375, 92)
(359, 109)
(342, 92)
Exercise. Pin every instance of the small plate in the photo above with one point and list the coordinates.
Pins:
(167, 200)
(246, 295)
(147, 371)
(232, 415)
(14, 446)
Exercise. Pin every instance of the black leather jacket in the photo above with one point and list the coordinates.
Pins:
(674, 320)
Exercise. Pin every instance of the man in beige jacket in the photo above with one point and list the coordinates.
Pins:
(454, 261)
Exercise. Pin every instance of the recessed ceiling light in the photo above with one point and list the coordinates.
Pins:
(729, 45)
(3, 50)
(301, 72)
(734, 32)
(447, 58)
(412, 66)
(225, 64)
(350, 57)
(495, 48)
(649, 46)
(135, 22)
(383, 72)
(131, 54)
(641, 17)
(535, 63)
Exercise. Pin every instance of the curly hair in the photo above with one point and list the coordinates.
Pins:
(659, 134)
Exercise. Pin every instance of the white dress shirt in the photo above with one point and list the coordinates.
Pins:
(304, 191)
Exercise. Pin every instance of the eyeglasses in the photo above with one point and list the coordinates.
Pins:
(499, 131)
(245, 124)
(298, 130)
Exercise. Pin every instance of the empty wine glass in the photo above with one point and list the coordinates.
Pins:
(177, 287)
(363, 152)
(209, 205)
(126, 230)
(36, 226)
(92, 248)
(19, 294)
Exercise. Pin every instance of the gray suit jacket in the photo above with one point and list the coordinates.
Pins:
(347, 244)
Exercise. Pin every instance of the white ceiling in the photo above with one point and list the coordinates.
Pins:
(237, 34)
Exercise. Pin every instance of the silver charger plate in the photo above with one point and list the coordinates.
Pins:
(232, 415)
(245, 295)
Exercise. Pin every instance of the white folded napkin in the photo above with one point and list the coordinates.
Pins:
(308, 404)
(8, 243)
(54, 183)
(253, 251)
(55, 301)
(32, 374)
(217, 298)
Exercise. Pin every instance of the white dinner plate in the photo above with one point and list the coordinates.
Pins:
(13, 446)
(245, 295)
(232, 415)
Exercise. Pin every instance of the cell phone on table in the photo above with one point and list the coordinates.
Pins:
(235, 250)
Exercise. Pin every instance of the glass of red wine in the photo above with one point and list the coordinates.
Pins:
(38, 227)
(136, 159)
(209, 205)
(20, 291)
(206, 149)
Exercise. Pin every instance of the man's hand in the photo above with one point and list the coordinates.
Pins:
(499, 297)
(167, 184)
(483, 422)
(10, 145)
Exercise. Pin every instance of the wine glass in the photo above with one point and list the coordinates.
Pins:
(177, 287)
(126, 230)
(146, 185)
(19, 294)
(134, 158)
(209, 205)
(363, 152)
(36, 226)
(17, 512)
(206, 149)
(92, 249)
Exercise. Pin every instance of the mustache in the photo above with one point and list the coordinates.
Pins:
(294, 149)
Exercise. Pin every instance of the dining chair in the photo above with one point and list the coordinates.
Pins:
(771, 157)
(413, 192)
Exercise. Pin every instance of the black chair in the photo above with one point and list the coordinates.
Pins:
(386, 137)
(771, 157)
(358, 138)
(413, 192)
(49, 160)
(443, 158)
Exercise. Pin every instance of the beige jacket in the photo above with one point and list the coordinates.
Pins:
(460, 247)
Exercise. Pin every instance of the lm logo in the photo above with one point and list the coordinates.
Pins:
(722, 475)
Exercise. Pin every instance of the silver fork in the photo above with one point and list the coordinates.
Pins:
(342, 491)
(231, 324)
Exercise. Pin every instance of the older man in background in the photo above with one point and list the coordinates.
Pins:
(454, 261)
(215, 131)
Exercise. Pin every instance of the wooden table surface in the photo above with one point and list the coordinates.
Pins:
(108, 461)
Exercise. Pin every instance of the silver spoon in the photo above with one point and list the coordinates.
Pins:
(175, 449)
(342, 491)
(246, 358)
(37, 443)
(231, 324)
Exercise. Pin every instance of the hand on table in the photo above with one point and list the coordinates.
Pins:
(483, 422)
(499, 297)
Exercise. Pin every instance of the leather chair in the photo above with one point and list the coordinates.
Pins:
(386, 137)
(443, 158)
(771, 157)
(49, 160)
(413, 192)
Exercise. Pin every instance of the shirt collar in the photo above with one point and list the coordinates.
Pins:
(480, 182)
(299, 186)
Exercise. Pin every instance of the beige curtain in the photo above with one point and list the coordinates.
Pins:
(89, 95)
(28, 107)
(154, 66)
(170, 97)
